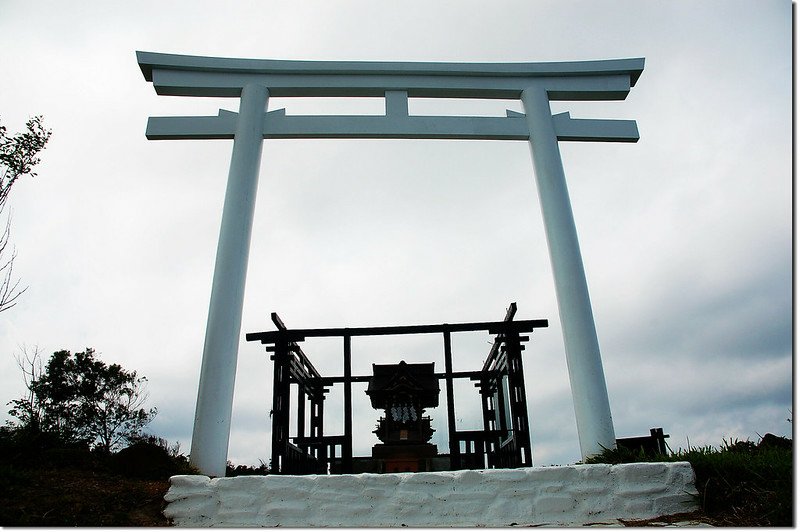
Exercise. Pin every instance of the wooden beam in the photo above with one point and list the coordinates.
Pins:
(269, 337)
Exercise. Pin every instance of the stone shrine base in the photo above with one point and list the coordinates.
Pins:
(557, 496)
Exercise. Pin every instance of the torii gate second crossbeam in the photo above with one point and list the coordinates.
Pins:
(253, 81)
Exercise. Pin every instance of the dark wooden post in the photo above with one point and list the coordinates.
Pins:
(488, 422)
(518, 399)
(280, 405)
(321, 433)
(347, 446)
(502, 400)
(301, 411)
(455, 450)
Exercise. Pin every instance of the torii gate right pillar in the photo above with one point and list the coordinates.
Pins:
(585, 367)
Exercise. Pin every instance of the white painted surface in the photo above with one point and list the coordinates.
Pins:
(212, 421)
(585, 367)
(188, 75)
(568, 495)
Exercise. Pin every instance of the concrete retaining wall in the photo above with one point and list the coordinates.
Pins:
(568, 495)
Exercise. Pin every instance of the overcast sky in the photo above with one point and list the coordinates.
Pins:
(686, 236)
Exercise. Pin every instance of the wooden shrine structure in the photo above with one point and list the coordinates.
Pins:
(504, 441)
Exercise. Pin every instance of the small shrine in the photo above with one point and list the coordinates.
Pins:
(403, 391)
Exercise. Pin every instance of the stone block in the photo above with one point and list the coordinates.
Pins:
(428, 478)
(177, 494)
(192, 509)
(593, 472)
(681, 473)
(187, 482)
(468, 477)
(502, 476)
(634, 489)
(636, 507)
(555, 505)
(503, 512)
(552, 487)
(411, 496)
(589, 489)
(643, 473)
(675, 503)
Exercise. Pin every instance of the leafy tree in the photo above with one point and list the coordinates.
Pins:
(18, 153)
(18, 157)
(81, 398)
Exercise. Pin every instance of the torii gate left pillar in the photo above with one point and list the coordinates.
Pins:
(536, 84)
(212, 421)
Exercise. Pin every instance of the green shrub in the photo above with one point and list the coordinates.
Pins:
(148, 460)
(740, 483)
(72, 458)
(26, 447)
(235, 471)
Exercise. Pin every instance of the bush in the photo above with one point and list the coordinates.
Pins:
(740, 484)
(151, 458)
(25, 447)
(235, 471)
(72, 458)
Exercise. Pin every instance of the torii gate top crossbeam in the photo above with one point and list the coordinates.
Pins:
(185, 75)
(181, 75)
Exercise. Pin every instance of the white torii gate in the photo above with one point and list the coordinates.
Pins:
(253, 81)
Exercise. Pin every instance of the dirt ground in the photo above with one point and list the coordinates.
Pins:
(64, 497)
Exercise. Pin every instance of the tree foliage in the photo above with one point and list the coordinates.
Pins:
(82, 399)
(19, 153)
(18, 157)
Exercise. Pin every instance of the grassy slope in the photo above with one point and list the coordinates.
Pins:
(741, 484)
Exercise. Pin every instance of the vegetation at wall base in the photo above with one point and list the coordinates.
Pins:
(49, 497)
(232, 470)
(46, 486)
(740, 483)
(44, 483)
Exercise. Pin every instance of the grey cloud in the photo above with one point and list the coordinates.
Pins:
(686, 235)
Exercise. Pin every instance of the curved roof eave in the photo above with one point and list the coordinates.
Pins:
(148, 61)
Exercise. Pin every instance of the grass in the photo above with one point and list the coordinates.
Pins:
(739, 483)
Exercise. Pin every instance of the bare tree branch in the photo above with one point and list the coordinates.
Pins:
(9, 287)
(28, 409)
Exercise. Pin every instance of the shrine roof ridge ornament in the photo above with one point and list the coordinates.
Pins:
(187, 75)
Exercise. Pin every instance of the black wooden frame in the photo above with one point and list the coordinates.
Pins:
(503, 443)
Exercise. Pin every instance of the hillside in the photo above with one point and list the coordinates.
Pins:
(740, 484)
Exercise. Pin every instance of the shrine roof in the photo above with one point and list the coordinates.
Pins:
(388, 378)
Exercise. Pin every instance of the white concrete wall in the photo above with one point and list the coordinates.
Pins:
(568, 495)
